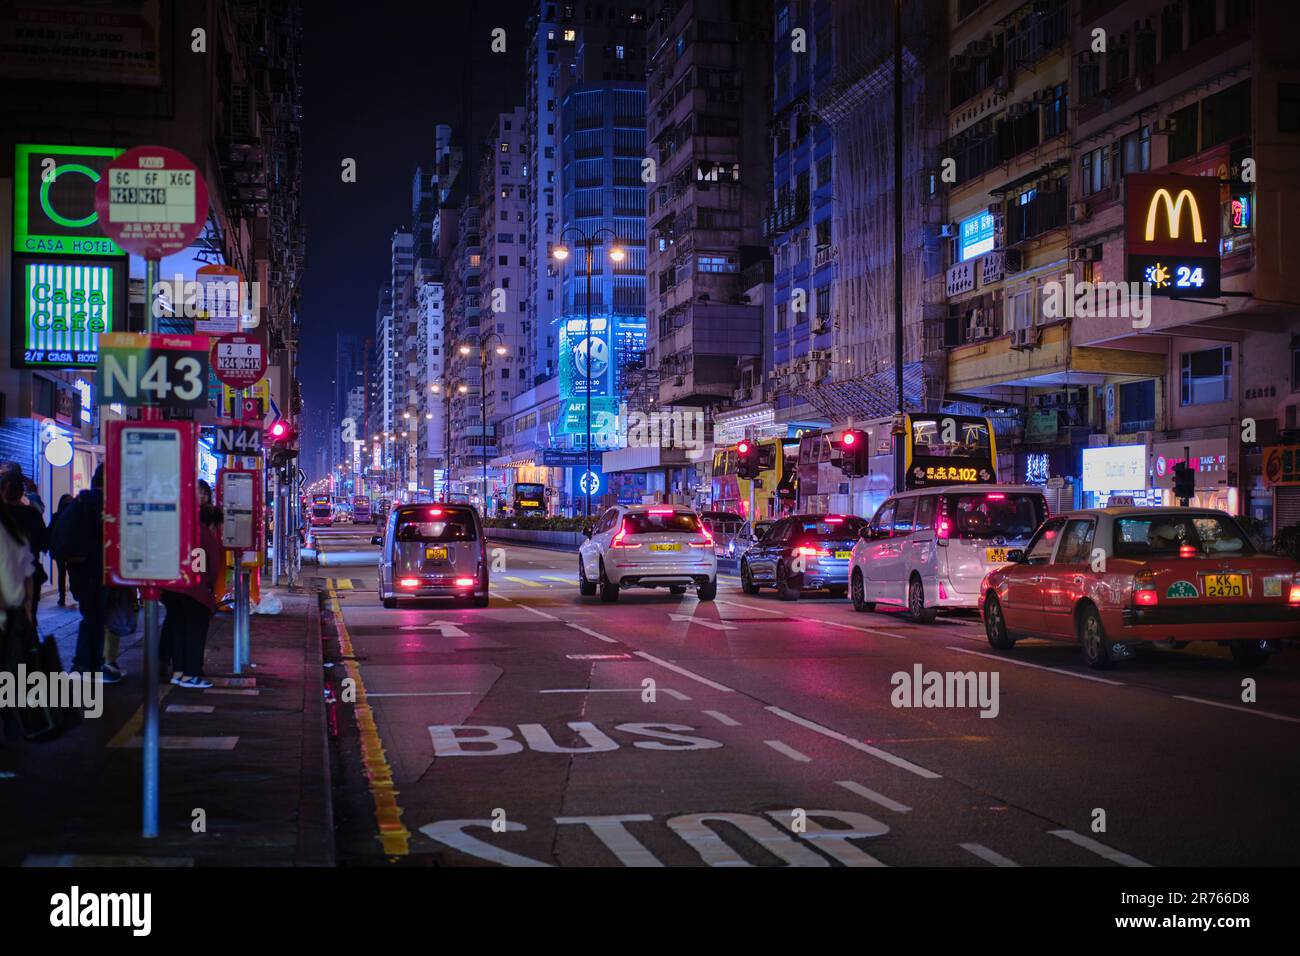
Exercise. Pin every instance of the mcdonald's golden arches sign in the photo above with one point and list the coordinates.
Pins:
(1172, 233)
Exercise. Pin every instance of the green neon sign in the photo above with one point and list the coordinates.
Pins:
(54, 200)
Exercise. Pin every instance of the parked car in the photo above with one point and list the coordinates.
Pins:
(1115, 578)
(928, 550)
(430, 551)
(746, 537)
(648, 546)
(802, 553)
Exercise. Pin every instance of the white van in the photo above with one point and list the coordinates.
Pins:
(929, 549)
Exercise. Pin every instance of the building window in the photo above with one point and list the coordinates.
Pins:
(1055, 113)
(1096, 169)
(1171, 30)
(782, 308)
(1207, 376)
(1288, 107)
(1137, 406)
(505, 147)
(1135, 151)
(1200, 20)
(570, 36)
(618, 52)
(1183, 140)
(716, 264)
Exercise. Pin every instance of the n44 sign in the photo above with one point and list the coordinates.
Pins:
(169, 371)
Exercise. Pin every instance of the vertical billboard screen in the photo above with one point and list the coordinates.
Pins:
(587, 360)
(62, 306)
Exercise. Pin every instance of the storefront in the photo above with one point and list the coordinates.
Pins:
(1282, 477)
(1116, 470)
(1214, 462)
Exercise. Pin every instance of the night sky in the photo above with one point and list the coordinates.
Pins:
(377, 78)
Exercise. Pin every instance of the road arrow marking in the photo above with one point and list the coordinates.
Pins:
(699, 620)
(447, 628)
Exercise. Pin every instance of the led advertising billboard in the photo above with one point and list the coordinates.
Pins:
(586, 359)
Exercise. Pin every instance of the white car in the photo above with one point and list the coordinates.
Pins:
(929, 549)
(648, 546)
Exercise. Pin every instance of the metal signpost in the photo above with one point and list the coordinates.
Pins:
(153, 202)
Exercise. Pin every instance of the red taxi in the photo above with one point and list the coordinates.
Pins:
(1113, 578)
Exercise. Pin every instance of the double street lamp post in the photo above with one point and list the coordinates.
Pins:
(445, 389)
(588, 242)
(483, 356)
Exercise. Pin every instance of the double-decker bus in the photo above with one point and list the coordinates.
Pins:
(529, 498)
(938, 449)
(361, 509)
(322, 511)
(775, 476)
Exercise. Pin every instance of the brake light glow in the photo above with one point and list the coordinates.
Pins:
(409, 582)
(995, 495)
(811, 552)
(464, 582)
(1187, 551)
(434, 512)
(832, 519)
(1294, 596)
(661, 511)
(1144, 589)
(618, 541)
(706, 543)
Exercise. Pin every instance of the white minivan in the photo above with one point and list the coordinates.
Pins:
(929, 549)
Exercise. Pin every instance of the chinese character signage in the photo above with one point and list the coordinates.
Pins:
(1282, 465)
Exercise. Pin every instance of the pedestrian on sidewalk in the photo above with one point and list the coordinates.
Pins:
(16, 634)
(14, 494)
(61, 572)
(78, 541)
(190, 607)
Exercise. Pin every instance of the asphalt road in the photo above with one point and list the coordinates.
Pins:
(747, 731)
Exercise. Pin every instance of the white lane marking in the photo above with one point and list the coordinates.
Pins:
(855, 744)
(421, 693)
(675, 694)
(888, 803)
(445, 628)
(549, 617)
(1244, 710)
(752, 607)
(987, 855)
(701, 621)
(788, 751)
(598, 657)
(590, 632)
(722, 718)
(683, 671)
(853, 627)
(1037, 667)
(552, 577)
(189, 709)
(1101, 849)
(188, 743)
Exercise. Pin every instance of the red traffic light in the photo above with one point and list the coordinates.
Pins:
(850, 438)
(742, 448)
(279, 429)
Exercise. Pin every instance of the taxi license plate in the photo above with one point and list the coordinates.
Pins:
(435, 554)
(996, 555)
(1224, 585)
(665, 547)
(843, 555)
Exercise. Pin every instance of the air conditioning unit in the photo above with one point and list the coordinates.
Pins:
(1085, 253)
(1012, 260)
(1079, 212)
(1164, 126)
(948, 230)
(1017, 110)
(1026, 338)
(978, 332)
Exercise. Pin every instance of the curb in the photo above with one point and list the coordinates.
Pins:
(315, 807)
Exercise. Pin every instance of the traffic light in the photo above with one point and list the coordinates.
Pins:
(281, 443)
(1184, 481)
(853, 452)
(746, 460)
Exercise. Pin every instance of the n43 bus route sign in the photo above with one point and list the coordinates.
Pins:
(239, 359)
(167, 371)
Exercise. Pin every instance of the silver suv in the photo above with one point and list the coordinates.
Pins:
(433, 550)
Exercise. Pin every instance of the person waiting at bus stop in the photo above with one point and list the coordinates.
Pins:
(184, 635)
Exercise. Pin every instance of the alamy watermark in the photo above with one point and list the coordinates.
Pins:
(678, 428)
(948, 689)
(1070, 299)
(77, 691)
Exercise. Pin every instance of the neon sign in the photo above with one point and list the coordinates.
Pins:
(1172, 232)
(54, 200)
(62, 307)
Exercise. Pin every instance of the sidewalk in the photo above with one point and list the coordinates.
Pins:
(250, 754)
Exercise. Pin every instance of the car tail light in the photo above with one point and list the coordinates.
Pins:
(942, 526)
(1144, 589)
(1187, 551)
(833, 519)
(409, 582)
(706, 543)
(464, 582)
(1293, 596)
(995, 495)
(618, 541)
(809, 551)
(661, 511)
(434, 512)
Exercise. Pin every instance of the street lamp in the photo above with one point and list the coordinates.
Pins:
(438, 388)
(616, 254)
(483, 356)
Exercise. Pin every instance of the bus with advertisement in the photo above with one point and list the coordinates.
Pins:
(361, 509)
(529, 499)
(938, 449)
(322, 511)
(773, 488)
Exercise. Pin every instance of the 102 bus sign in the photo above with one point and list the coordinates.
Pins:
(168, 371)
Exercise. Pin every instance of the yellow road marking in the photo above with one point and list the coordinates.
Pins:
(552, 577)
(341, 584)
(132, 727)
(531, 584)
(388, 815)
